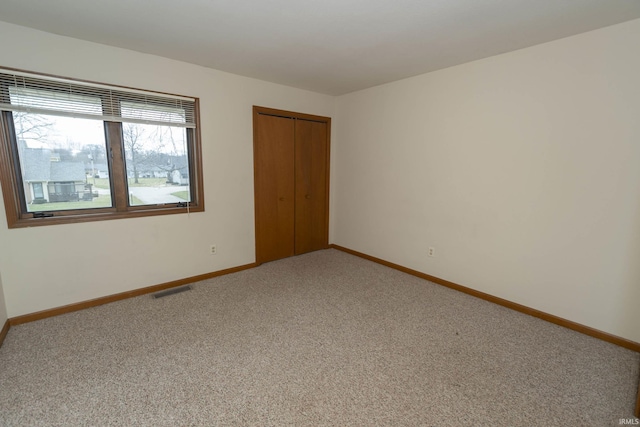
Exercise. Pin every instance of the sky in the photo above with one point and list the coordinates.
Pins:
(75, 133)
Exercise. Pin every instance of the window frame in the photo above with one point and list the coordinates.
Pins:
(13, 189)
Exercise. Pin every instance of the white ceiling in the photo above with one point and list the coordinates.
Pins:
(329, 46)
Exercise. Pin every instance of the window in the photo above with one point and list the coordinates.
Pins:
(37, 191)
(75, 151)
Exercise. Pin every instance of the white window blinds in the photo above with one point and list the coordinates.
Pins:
(43, 95)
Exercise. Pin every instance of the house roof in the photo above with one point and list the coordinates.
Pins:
(67, 171)
(36, 164)
(333, 47)
(38, 167)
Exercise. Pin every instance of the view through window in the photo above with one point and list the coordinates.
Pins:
(156, 157)
(63, 162)
(76, 150)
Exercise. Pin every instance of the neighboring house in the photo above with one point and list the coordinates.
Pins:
(150, 172)
(100, 170)
(174, 168)
(47, 179)
(180, 171)
(180, 177)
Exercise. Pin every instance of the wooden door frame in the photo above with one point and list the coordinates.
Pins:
(257, 110)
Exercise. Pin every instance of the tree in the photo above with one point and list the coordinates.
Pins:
(133, 136)
(170, 154)
(159, 148)
(35, 127)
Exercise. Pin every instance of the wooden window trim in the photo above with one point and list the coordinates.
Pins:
(13, 191)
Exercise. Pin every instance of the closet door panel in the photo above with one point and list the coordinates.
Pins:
(320, 187)
(311, 163)
(275, 187)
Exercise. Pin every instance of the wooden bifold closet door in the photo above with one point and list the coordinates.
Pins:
(291, 172)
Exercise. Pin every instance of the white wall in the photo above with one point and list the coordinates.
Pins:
(522, 170)
(46, 267)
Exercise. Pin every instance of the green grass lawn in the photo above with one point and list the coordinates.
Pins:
(99, 182)
(101, 201)
(184, 195)
(148, 182)
(134, 201)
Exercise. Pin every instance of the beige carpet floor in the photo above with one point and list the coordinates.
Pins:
(323, 339)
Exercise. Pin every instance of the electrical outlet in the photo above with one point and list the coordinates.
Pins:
(431, 252)
(212, 249)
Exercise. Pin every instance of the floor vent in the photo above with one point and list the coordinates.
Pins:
(172, 291)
